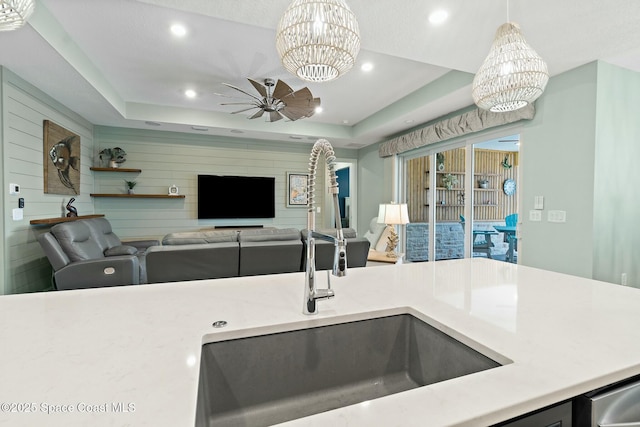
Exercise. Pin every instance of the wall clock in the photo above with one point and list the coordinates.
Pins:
(509, 187)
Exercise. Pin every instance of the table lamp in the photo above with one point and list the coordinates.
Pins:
(393, 214)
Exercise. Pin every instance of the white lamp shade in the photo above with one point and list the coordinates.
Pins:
(14, 13)
(393, 214)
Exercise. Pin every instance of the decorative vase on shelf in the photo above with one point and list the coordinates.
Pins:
(483, 183)
(130, 185)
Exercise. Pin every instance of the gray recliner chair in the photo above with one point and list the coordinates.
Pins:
(87, 254)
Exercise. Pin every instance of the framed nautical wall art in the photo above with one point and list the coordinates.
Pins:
(61, 160)
(297, 184)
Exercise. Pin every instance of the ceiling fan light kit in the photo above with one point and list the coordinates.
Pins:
(512, 75)
(318, 40)
(278, 100)
(15, 13)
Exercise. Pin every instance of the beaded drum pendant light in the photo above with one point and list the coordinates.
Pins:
(512, 75)
(318, 40)
(14, 13)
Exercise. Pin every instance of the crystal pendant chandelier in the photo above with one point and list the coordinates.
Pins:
(513, 74)
(14, 13)
(318, 40)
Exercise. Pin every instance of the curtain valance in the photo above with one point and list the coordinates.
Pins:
(471, 121)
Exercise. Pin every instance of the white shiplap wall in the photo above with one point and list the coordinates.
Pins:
(168, 158)
(24, 108)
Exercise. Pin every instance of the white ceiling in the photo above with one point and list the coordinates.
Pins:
(115, 62)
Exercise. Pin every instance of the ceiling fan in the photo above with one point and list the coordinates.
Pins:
(277, 99)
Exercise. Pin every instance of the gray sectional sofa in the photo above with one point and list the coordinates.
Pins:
(86, 253)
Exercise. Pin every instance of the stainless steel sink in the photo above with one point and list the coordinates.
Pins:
(268, 379)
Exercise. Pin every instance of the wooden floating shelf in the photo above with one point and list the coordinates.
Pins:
(140, 196)
(62, 219)
(115, 169)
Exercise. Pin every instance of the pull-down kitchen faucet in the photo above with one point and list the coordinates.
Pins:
(311, 293)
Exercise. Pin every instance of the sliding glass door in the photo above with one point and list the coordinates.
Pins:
(462, 193)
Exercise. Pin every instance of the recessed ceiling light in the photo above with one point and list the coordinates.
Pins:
(178, 30)
(318, 110)
(345, 122)
(153, 123)
(190, 93)
(438, 16)
(366, 67)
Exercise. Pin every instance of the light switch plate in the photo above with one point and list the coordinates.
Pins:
(557, 216)
(535, 216)
(538, 202)
(14, 189)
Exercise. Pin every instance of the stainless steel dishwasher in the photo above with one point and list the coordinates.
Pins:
(614, 406)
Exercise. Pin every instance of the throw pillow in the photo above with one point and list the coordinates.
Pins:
(382, 243)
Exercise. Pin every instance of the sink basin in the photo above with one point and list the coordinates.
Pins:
(268, 379)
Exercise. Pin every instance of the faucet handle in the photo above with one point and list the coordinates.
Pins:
(340, 259)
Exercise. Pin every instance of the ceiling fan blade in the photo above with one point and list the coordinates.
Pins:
(243, 91)
(290, 114)
(274, 116)
(242, 111)
(258, 113)
(282, 90)
(259, 87)
(300, 107)
(240, 103)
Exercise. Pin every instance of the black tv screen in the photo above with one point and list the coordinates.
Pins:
(230, 197)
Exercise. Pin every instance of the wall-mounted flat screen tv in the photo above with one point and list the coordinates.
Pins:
(231, 197)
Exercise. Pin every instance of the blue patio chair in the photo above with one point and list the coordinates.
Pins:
(511, 221)
(481, 241)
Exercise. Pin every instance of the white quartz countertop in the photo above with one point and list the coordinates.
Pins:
(130, 356)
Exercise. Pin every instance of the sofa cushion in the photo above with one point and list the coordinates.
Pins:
(374, 232)
(76, 241)
(102, 233)
(270, 257)
(120, 250)
(200, 237)
(192, 262)
(269, 234)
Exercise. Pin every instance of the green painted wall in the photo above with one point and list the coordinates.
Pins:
(374, 187)
(557, 162)
(616, 247)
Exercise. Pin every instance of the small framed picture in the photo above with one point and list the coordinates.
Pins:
(173, 191)
(297, 185)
